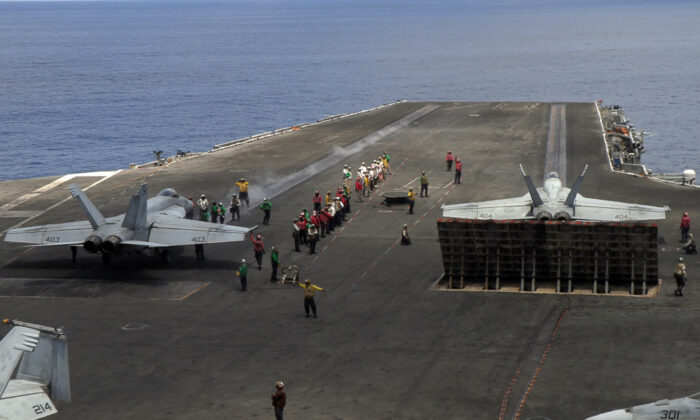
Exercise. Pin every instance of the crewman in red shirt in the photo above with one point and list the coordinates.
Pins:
(449, 159)
(685, 226)
(317, 201)
(458, 171)
(258, 248)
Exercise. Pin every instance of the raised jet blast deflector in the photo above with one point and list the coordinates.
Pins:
(554, 202)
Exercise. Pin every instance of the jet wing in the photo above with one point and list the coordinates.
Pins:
(25, 400)
(615, 211)
(177, 232)
(509, 208)
(73, 233)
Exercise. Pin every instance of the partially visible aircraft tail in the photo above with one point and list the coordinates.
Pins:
(94, 216)
(45, 358)
(136, 216)
(574, 190)
(16, 342)
(536, 199)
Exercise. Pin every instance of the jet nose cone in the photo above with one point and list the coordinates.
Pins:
(613, 415)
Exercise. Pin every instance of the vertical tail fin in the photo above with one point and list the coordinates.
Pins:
(12, 346)
(94, 216)
(536, 199)
(574, 190)
(136, 216)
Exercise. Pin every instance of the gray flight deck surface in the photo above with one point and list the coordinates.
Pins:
(181, 341)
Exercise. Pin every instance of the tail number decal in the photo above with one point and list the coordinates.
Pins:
(199, 239)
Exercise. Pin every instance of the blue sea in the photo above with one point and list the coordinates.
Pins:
(97, 85)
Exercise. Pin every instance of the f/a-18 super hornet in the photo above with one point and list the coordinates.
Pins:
(42, 355)
(554, 202)
(687, 408)
(157, 223)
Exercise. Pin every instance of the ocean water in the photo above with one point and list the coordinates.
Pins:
(97, 85)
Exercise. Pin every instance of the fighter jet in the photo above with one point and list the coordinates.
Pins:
(554, 202)
(42, 355)
(156, 223)
(687, 408)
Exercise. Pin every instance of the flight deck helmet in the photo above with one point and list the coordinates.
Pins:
(279, 385)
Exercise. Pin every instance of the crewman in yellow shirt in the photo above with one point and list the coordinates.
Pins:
(309, 292)
(243, 191)
(411, 200)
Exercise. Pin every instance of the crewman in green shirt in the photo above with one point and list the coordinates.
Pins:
(243, 274)
(266, 206)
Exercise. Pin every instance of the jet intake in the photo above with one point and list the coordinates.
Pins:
(562, 216)
(544, 215)
(112, 244)
(92, 244)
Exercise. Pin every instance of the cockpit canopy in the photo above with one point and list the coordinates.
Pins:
(552, 175)
(169, 192)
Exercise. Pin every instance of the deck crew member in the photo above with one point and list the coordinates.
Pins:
(189, 214)
(324, 219)
(309, 292)
(302, 228)
(266, 207)
(458, 171)
(405, 240)
(690, 247)
(235, 207)
(317, 199)
(681, 276)
(387, 159)
(243, 274)
(203, 205)
(258, 248)
(424, 184)
(243, 190)
(275, 260)
(295, 234)
(222, 212)
(312, 232)
(214, 212)
(411, 200)
(347, 174)
(279, 400)
(449, 159)
(685, 226)
(358, 188)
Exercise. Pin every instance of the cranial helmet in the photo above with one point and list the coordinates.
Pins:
(259, 236)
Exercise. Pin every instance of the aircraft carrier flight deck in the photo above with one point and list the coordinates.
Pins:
(155, 341)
